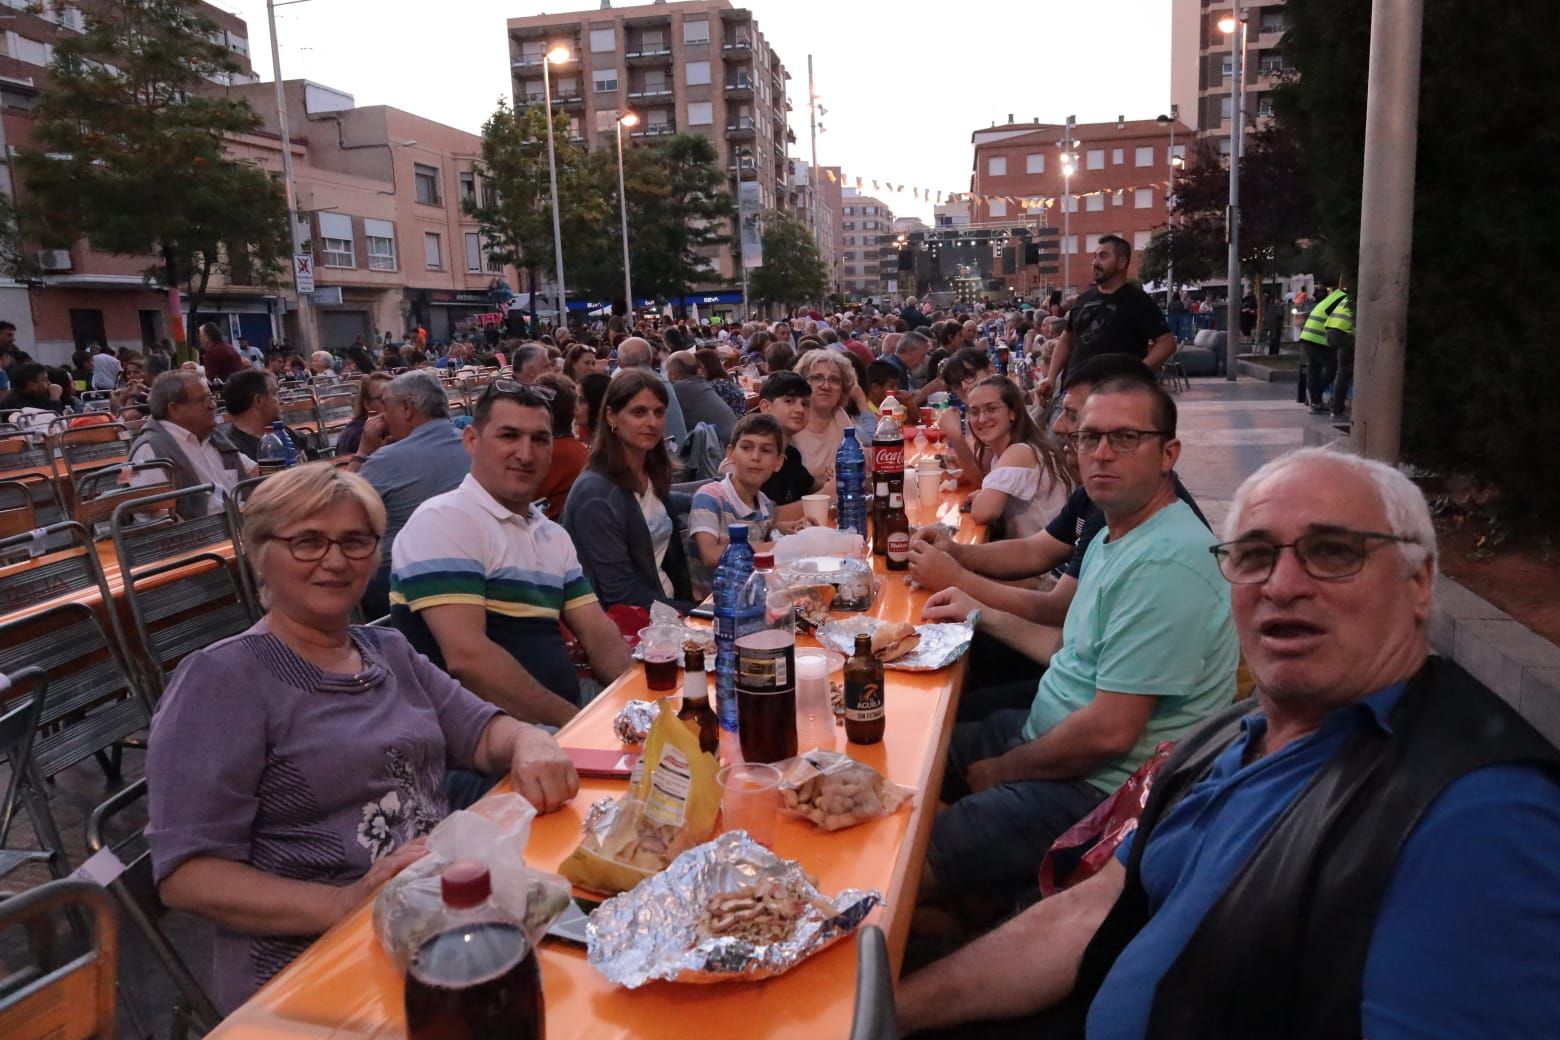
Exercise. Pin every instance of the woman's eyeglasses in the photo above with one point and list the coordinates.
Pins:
(311, 547)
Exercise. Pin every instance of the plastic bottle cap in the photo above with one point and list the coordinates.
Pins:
(763, 561)
(737, 532)
(465, 883)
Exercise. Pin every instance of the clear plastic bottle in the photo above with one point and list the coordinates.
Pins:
(272, 457)
(850, 483)
(731, 573)
(289, 450)
(766, 666)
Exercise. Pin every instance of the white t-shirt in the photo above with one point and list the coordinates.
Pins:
(659, 521)
(1033, 496)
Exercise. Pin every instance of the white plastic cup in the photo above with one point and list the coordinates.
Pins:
(816, 509)
(929, 483)
(814, 713)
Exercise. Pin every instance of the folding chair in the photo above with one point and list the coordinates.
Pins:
(236, 500)
(70, 571)
(134, 889)
(19, 715)
(182, 593)
(61, 992)
(90, 447)
(874, 1018)
(336, 405)
(98, 492)
(24, 451)
(18, 511)
(94, 708)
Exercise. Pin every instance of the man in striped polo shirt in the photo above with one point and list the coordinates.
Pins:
(480, 578)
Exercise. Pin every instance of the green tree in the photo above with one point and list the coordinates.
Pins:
(684, 218)
(514, 210)
(1477, 396)
(128, 150)
(793, 272)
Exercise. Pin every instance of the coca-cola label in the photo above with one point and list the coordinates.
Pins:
(887, 457)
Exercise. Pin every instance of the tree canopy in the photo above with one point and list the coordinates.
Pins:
(792, 272)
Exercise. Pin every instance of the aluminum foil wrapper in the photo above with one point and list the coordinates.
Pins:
(942, 643)
(652, 932)
(632, 724)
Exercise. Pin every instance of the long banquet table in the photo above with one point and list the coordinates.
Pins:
(346, 986)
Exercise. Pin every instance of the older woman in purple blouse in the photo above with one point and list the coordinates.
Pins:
(296, 767)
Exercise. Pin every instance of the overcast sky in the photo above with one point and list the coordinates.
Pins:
(904, 84)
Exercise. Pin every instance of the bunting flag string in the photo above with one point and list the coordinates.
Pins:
(1118, 194)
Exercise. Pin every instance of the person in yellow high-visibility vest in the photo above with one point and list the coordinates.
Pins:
(1321, 361)
(1340, 337)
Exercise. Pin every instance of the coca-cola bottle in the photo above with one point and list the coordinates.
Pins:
(888, 474)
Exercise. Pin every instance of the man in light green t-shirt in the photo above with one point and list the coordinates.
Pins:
(1147, 651)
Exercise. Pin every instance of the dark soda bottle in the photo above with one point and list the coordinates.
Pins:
(476, 976)
(863, 694)
(766, 669)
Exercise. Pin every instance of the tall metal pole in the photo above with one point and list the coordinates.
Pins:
(1067, 204)
(814, 175)
(628, 281)
(1386, 226)
(552, 174)
(1175, 114)
(1237, 132)
(747, 312)
(305, 301)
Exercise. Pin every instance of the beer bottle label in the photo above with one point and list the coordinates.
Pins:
(899, 546)
(896, 500)
(863, 701)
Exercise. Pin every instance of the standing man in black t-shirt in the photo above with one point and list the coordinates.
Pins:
(1114, 317)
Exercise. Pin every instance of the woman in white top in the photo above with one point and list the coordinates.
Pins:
(1026, 480)
(833, 381)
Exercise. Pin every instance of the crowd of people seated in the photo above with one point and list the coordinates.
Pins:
(1328, 857)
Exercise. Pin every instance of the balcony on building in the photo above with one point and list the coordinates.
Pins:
(648, 43)
(653, 127)
(739, 85)
(742, 128)
(531, 47)
(650, 84)
(737, 34)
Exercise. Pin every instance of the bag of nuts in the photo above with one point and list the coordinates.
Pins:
(835, 791)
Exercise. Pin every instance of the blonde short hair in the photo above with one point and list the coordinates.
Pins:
(805, 364)
(301, 492)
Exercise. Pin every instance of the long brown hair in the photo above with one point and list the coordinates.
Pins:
(360, 408)
(1025, 430)
(606, 450)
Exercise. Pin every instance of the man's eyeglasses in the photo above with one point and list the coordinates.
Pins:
(1122, 442)
(310, 547)
(1325, 555)
(534, 394)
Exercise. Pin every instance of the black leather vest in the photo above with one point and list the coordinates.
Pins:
(1281, 954)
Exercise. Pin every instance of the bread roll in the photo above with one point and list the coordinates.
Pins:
(894, 640)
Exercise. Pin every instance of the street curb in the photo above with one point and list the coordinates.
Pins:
(1520, 666)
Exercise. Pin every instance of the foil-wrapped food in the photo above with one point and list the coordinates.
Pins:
(632, 723)
(727, 909)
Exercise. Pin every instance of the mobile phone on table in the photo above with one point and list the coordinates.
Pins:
(570, 925)
(608, 763)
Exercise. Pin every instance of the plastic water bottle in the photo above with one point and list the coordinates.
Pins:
(289, 450)
(272, 456)
(731, 573)
(850, 482)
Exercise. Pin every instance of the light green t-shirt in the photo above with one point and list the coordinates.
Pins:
(1151, 616)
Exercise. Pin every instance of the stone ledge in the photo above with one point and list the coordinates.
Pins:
(1522, 667)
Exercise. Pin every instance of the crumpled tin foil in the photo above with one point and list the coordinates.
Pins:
(942, 643)
(632, 724)
(651, 932)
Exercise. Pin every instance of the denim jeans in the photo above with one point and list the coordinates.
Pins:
(1321, 364)
(1343, 343)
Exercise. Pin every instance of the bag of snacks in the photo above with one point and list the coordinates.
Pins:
(835, 791)
(671, 805)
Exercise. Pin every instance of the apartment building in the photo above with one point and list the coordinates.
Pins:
(1118, 186)
(1202, 63)
(869, 263)
(809, 204)
(831, 198)
(696, 66)
(80, 296)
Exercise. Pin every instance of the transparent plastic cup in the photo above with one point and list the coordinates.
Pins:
(750, 800)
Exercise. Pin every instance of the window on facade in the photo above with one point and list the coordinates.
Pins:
(433, 257)
(381, 244)
(336, 240)
(1140, 240)
(1091, 243)
(531, 51)
(1070, 244)
(696, 32)
(604, 81)
(1034, 162)
(1143, 198)
(1272, 20)
(996, 166)
(1094, 203)
(655, 81)
(473, 243)
(1225, 108)
(567, 87)
(701, 113)
(603, 41)
(468, 186)
(850, 211)
(1094, 159)
(23, 49)
(426, 180)
(1071, 203)
(652, 41)
(869, 211)
(698, 73)
(1143, 156)
(1227, 66)
(1115, 198)
(1178, 152)
(494, 265)
(1264, 108)
(998, 208)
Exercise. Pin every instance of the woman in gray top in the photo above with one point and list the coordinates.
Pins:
(296, 767)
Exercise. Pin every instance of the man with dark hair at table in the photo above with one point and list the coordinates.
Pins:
(481, 578)
(252, 406)
(1146, 653)
(32, 388)
(1369, 846)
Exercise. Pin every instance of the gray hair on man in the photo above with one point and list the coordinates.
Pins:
(423, 391)
(679, 365)
(170, 388)
(1408, 514)
(635, 352)
(912, 341)
(529, 354)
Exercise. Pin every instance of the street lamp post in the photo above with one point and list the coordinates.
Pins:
(1234, 25)
(1069, 164)
(1175, 114)
(305, 300)
(626, 119)
(556, 56)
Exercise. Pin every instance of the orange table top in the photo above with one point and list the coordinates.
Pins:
(109, 561)
(346, 986)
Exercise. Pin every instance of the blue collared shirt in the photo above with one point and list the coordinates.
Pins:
(1465, 943)
(430, 461)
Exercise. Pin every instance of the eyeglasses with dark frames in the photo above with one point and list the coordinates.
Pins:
(534, 394)
(1122, 442)
(1329, 555)
(312, 547)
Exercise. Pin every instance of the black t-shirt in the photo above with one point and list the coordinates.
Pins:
(1122, 322)
(791, 482)
(1080, 520)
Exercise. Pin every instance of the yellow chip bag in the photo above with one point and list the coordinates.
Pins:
(671, 805)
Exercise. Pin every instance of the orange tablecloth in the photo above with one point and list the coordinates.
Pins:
(345, 985)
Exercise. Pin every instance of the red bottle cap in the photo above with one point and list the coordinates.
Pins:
(763, 561)
(465, 883)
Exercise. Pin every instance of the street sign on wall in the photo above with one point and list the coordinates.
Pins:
(303, 272)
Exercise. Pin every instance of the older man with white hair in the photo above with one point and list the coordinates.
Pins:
(1368, 847)
(636, 352)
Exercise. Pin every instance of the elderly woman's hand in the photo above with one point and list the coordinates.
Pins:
(542, 773)
(362, 890)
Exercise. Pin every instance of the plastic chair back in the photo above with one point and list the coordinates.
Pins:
(99, 492)
(19, 716)
(875, 1018)
(61, 993)
(18, 512)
